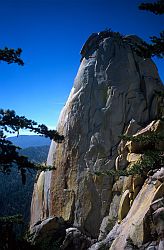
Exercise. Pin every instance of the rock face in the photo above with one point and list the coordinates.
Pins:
(52, 229)
(113, 86)
(139, 223)
(143, 226)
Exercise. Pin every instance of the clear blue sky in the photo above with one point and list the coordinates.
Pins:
(51, 34)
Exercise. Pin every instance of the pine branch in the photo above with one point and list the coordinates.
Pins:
(157, 7)
(9, 153)
(10, 122)
(11, 56)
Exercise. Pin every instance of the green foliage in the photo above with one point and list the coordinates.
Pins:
(11, 56)
(151, 138)
(157, 7)
(148, 50)
(142, 48)
(159, 93)
(156, 47)
(18, 219)
(10, 122)
(15, 198)
(48, 243)
(150, 160)
(9, 153)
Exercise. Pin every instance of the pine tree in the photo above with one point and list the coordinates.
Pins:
(10, 122)
(156, 47)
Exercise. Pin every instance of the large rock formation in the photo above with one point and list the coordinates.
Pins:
(113, 87)
(139, 220)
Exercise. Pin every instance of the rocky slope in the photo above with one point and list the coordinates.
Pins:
(136, 216)
(113, 89)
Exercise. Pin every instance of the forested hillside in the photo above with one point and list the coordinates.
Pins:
(15, 198)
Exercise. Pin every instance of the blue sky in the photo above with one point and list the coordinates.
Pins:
(51, 34)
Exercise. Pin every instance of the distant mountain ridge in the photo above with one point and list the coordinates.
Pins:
(36, 154)
(25, 141)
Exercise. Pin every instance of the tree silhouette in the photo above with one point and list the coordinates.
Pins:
(11, 56)
(157, 7)
(156, 47)
(10, 122)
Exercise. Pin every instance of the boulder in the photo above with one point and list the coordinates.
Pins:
(139, 146)
(131, 129)
(48, 231)
(132, 157)
(138, 225)
(75, 240)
